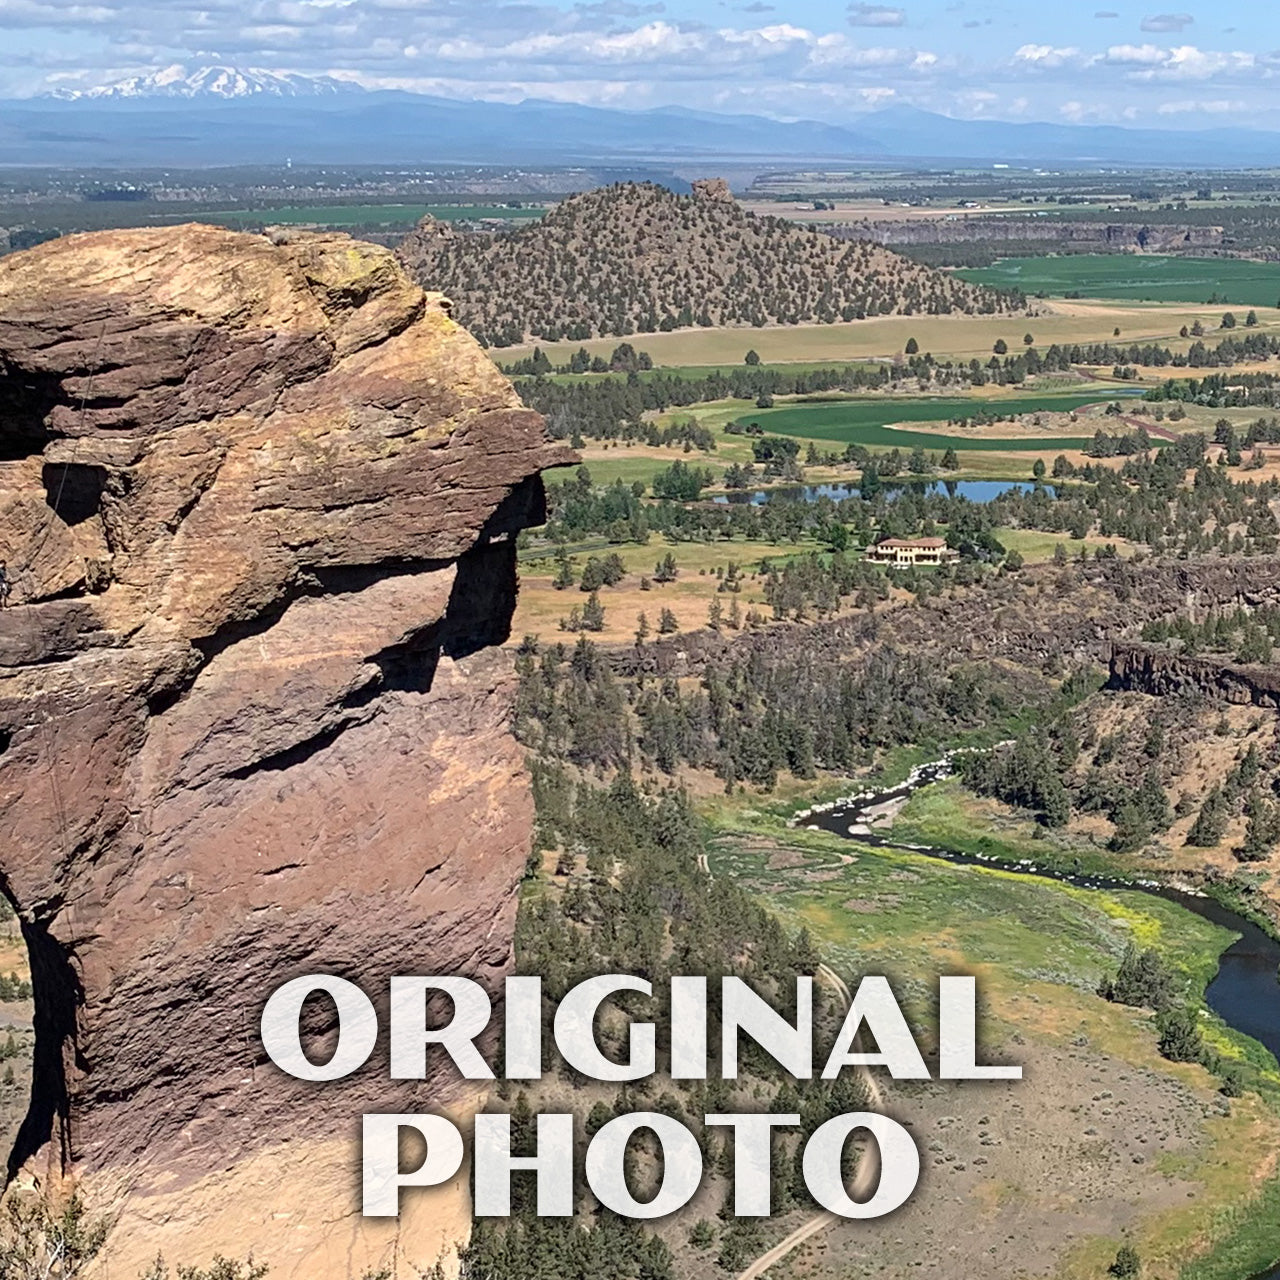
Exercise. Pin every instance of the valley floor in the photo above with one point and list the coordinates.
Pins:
(1102, 1142)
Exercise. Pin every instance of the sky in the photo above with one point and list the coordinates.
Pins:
(1103, 62)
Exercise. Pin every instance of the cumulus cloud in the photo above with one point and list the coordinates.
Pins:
(1167, 22)
(1106, 13)
(1045, 55)
(1187, 62)
(647, 52)
(876, 15)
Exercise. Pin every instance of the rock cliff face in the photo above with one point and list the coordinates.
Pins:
(1145, 668)
(258, 501)
(1016, 232)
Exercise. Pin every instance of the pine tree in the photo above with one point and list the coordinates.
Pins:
(1211, 822)
(593, 613)
(564, 571)
(1180, 1039)
(1261, 830)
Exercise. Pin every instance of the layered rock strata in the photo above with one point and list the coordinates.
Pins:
(258, 502)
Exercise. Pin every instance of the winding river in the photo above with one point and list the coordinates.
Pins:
(1245, 993)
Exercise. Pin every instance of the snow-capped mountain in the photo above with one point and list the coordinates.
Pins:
(213, 82)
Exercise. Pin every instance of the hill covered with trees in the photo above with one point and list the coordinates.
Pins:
(636, 258)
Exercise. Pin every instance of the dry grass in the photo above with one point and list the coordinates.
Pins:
(884, 336)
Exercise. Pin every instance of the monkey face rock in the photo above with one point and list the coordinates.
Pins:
(258, 505)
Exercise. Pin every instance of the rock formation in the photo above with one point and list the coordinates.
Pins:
(1146, 668)
(1020, 234)
(635, 258)
(258, 500)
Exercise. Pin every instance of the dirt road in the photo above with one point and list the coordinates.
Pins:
(868, 1170)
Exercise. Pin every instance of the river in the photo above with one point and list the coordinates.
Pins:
(1245, 993)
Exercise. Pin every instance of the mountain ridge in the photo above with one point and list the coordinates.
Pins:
(222, 115)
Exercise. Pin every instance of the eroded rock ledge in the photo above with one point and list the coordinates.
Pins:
(1145, 668)
(258, 501)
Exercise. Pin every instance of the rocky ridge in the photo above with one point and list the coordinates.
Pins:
(258, 500)
(1078, 614)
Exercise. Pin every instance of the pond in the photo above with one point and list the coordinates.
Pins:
(979, 491)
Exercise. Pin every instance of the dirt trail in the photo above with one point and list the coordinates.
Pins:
(868, 1170)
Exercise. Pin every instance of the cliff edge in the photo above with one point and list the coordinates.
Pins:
(258, 503)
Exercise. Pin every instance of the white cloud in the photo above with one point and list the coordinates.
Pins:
(1212, 107)
(1167, 22)
(876, 15)
(1045, 55)
(1077, 112)
(1148, 55)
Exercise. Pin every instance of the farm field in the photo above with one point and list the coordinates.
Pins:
(865, 421)
(1137, 276)
(884, 336)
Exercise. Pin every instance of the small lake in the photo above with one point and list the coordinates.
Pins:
(978, 491)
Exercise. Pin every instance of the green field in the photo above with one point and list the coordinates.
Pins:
(865, 421)
(1138, 278)
(364, 215)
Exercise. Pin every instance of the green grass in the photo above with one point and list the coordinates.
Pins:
(865, 421)
(1137, 277)
(363, 215)
(1251, 1243)
(911, 917)
(919, 912)
(943, 815)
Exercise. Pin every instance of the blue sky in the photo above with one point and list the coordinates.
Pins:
(1102, 62)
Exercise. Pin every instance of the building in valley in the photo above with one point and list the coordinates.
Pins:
(912, 551)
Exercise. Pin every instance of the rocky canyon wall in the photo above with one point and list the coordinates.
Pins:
(1146, 668)
(258, 502)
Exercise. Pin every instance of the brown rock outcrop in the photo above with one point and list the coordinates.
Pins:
(1145, 668)
(258, 501)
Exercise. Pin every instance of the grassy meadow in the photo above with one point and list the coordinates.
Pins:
(1139, 277)
(881, 337)
(1194, 1194)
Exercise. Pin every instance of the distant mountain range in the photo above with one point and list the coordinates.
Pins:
(227, 116)
(223, 83)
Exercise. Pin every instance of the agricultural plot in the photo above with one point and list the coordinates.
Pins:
(866, 421)
(952, 336)
(1231, 281)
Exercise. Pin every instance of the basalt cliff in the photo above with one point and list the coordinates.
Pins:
(258, 502)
